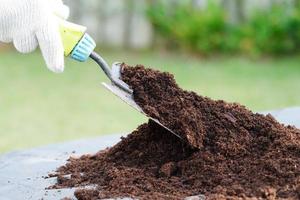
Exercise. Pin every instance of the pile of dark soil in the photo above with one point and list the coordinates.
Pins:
(228, 152)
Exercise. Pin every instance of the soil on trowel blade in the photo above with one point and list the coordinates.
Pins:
(228, 152)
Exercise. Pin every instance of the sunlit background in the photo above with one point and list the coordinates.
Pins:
(242, 51)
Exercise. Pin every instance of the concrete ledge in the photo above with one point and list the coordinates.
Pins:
(22, 172)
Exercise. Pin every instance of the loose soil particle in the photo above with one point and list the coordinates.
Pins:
(228, 152)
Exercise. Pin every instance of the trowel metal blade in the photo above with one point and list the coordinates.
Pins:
(127, 98)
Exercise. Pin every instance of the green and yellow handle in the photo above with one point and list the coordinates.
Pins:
(80, 46)
(77, 43)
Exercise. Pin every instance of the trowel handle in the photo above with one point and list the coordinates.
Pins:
(80, 46)
(77, 43)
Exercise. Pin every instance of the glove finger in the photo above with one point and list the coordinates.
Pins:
(51, 46)
(5, 39)
(25, 44)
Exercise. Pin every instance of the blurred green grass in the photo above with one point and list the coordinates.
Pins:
(38, 107)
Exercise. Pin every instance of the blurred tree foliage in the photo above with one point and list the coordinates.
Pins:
(208, 30)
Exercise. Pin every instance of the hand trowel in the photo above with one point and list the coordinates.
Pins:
(80, 46)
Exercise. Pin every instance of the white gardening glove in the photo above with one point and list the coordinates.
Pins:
(29, 23)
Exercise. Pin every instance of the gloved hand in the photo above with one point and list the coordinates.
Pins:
(29, 23)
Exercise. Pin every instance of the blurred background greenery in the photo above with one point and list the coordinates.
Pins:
(221, 49)
(273, 30)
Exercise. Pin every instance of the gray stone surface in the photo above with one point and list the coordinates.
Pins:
(22, 172)
(289, 116)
